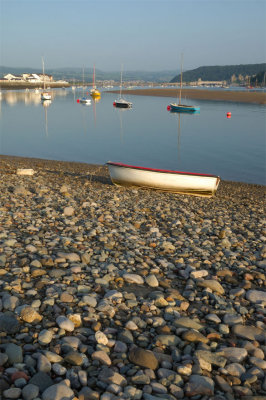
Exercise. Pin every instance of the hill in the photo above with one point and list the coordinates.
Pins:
(221, 73)
(75, 74)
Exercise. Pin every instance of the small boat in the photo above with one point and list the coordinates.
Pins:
(120, 102)
(171, 181)
(183, 108)
(179, 107)
(84, 100)
(45, 95)
(94, 92)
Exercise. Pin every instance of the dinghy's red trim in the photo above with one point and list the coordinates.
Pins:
(159, 170)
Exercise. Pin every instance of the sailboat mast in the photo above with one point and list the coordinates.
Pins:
(43, 74)
(121, 81)
(181, 77)
(83, 83)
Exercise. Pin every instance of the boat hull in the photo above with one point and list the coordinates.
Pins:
(85, 101)
(184, 108)
(46, 96)
(122, 104)
(172, 181)
(95, 93)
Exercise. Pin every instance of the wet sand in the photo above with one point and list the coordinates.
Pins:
(202, 94)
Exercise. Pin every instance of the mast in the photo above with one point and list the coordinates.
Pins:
(181, 76)
(121, 81)
(93, 78)
(83, 83)
(43, 74)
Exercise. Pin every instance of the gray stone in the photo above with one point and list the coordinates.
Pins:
(109, 376)
(186, 322)
(234, 354)
(12, 393)
(30, 392)
(167, 340)
(65, 323)
(143, 358)
(42, 380)
(199, 385)
(232, 319)
(133, 278)
(249, 332)
(101, 356)
(3, 359)
(212, 358)
(14, 353)
(45, 337)
(9, 323)
(59, 391)
(256, 296)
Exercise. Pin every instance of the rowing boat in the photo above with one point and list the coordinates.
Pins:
(166, 180)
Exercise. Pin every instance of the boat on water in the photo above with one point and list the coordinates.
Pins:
(45, 95)
(84, 99)
(94, 92)
(178, 106)
(183, 108)
(121, 102)
(196, 184)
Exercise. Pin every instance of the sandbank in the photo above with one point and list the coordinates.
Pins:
(203, 94)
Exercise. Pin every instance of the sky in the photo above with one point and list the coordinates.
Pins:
(147, 35)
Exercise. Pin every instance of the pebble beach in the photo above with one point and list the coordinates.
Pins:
(111, 293)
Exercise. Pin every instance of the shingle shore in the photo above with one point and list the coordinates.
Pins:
(111, 293)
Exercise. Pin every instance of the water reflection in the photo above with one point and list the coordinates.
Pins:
(29, 97)
(95, 100)
(46, 104)
(120, 112)
(144, 135)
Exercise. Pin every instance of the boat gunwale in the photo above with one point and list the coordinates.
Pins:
(161, 170)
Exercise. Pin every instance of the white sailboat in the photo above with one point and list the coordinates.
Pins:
(120, 102)
(45, 95)
(84, 100)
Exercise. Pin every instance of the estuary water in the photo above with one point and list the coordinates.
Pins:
(147, 135)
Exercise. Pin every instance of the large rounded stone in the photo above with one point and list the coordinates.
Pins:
(143, 358)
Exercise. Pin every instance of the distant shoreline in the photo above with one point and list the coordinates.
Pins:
(202, 94)
(25, 85)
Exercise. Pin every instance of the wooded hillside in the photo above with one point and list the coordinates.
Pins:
(221, 73)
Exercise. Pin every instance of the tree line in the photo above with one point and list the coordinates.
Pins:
(230, 73)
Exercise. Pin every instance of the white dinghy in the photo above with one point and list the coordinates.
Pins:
(171, 181)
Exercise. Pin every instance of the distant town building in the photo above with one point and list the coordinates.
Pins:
(30, 78)
(199, 82)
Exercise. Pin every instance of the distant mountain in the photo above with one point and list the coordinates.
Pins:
(76, 74)
(220, 73)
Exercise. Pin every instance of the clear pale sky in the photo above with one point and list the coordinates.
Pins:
(141, 34)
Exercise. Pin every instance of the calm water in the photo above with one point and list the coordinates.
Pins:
(146, 135)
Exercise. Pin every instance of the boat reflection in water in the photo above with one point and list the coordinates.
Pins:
(95, 100)
(120, 112)
(46, 104)
(31, 97)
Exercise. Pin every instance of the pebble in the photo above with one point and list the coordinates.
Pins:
(111, 293)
